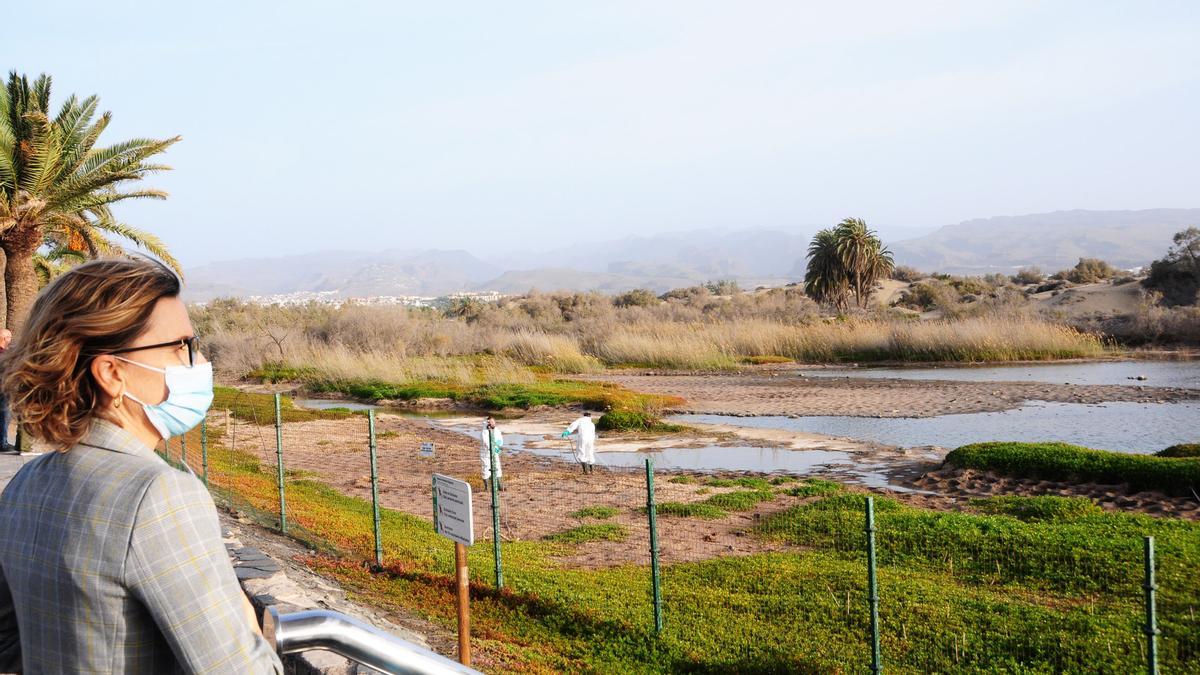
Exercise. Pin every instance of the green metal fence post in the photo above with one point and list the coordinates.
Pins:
(495, 508)
(1151, 628)
(655, 577)
(375, 488)
(204, 450)
(279, 465)
(872, 588)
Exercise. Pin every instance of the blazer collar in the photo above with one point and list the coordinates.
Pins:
(106, 435)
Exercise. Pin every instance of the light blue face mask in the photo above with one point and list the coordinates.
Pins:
(189, 395)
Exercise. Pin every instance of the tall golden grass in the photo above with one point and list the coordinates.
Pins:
(720, 346)
(474, 354)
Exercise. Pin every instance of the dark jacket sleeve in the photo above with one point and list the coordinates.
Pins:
(10, 637)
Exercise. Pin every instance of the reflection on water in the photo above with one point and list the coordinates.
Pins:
(1124, 427)
(1157, 373)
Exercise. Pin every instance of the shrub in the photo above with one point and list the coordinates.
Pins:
(1177, 275)
(694, 510)
(628, 420)
(1090, 271)
(929, 295)
(638, 297)
(1180, 450)
(1028, 275)
(1064, 462)
(585, 533)
(723, 287)
(906, 273)
(683, 480)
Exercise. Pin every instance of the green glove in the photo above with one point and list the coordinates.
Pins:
(565, 434)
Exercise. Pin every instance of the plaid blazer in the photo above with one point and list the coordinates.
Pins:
(111, 561)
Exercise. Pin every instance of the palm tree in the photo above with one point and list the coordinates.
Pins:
(825, 278)
(865, 258)
(54, 262)
(57, 187)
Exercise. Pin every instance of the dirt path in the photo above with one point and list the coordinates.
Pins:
(788, 392)
(540, 493)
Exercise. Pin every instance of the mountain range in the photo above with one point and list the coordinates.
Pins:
(660, 262)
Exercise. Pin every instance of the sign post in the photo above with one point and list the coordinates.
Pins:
(426, 449)
(452, 518)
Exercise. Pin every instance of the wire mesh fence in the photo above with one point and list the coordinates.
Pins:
(769, 573)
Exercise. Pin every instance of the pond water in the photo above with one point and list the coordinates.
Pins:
(1123, 427)
(709, 458)
(1157, 373)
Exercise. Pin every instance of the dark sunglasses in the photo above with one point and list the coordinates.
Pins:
(192, 343)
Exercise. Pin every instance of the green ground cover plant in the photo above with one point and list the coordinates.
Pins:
(1064, 462)
(586, 533)
(686, 510)
(1066, 596)
(260, 408)
(598, 512)
(814, 487)
(1180, 450)
(1041, 508)
(1045, 544)
(746, 482)
(741, 500)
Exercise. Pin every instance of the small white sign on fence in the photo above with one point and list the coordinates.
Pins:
(426, 449)
(452, 509)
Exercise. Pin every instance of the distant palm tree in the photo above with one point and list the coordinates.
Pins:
(56, 187)
(865, 258)
(825, 279)
(54, 262)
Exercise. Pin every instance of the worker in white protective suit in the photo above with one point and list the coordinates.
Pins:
(491, 442)
(583, 435)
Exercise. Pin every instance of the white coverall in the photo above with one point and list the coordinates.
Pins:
(484, 458)
(583, 435)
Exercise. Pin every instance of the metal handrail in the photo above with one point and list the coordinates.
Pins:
(355, 640)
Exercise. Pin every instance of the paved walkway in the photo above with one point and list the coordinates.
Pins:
(8, 467)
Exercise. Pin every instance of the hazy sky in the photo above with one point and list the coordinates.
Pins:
(526, 125)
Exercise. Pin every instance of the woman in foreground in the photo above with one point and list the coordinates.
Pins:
(111, 561)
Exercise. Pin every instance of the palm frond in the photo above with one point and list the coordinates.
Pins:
(125, 154)
(90, 200)
(145, 240)
(43, 156)
(73, 161)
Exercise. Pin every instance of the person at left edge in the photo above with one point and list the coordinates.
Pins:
(111, 561)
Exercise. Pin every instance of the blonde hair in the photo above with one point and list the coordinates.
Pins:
(89, 311)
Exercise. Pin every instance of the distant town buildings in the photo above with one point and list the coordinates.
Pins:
(335, 298)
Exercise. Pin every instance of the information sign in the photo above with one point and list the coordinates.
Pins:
(452, 509)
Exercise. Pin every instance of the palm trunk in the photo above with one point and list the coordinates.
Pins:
(3, 286)
(20, 285)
